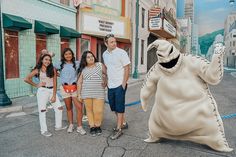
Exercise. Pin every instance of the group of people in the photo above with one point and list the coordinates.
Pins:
(83, 82)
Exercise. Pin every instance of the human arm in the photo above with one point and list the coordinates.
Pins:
(53, 99)
(79, 86)
(126, 75)
(29, 77)
(104, 75)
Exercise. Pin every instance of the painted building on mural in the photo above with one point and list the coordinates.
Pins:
(230, 40)
(28, 27)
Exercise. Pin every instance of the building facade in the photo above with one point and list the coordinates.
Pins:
(96, 19)
(28, 27)
(230, 40)
(162, 24)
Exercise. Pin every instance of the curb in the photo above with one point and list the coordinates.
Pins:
(11, 109)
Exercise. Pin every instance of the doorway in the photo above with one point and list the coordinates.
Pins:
(101, 48)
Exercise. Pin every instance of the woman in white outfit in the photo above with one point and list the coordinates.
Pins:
(47, 87)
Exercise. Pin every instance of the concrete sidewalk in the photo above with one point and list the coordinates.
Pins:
(28, 104)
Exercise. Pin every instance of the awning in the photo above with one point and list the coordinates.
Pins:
(15, 22)
(69, 32)
(45, 28)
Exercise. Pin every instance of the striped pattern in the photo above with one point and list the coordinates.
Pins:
(92, 82)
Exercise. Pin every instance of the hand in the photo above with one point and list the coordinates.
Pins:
(104, 84)
(124, 85)
(40, 84)
(219, 48)
(53, 99)
(79, 98)
(58, 73)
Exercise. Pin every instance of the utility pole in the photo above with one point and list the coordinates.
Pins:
(135, 74)
(4, 99)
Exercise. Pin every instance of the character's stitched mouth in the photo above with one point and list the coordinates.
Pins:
(171, 63)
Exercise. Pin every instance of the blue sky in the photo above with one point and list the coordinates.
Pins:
(211, 14)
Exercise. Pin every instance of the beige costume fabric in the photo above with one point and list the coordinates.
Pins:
(184, 108)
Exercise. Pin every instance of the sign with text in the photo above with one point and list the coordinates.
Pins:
(169, 28)
(101, 26)
(155, 23)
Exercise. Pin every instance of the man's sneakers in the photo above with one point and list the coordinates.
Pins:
(61, 128)
(81, 130)
(46, 134)
(116, 134)
(124, 126)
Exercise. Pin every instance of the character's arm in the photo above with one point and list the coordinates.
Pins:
(149, 85)
(212, 72)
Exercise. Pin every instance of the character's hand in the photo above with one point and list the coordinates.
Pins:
(53, 99)
(219, 48)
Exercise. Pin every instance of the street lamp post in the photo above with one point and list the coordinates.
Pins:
(4, 99)
(135, 74)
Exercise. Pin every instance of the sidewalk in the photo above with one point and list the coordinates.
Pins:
(28, 104)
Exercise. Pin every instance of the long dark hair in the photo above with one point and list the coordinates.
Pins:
(49, 69)
(83, 62)
(63, 60)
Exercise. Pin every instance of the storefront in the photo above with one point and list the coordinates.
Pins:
(95, 22)
(33, 26)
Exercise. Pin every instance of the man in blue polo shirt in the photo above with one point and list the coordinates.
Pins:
(117, 63)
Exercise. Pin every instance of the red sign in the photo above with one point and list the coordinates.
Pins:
(154, 12)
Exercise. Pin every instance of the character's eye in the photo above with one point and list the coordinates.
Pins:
(160, 55)
(171, 50)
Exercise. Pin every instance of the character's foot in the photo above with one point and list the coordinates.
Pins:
(152, 140)
(225, 149)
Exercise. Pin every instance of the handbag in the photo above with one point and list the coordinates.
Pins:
(70, 88)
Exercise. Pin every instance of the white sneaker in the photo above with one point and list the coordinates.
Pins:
(46, 134)
(81, 130)
(61, 128)
(85, 118)
(70, 128)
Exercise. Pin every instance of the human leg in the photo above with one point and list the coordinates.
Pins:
(42, 99)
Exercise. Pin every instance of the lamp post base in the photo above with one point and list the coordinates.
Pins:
(135, 74)
(4, 100)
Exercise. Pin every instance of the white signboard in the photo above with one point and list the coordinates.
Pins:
(169, 28)
(155, 23)
(101, 26)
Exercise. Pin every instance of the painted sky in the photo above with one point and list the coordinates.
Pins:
(211, 14)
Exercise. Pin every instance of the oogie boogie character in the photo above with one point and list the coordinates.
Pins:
(184, 108)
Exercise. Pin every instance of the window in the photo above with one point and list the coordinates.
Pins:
(143, 17)
(233, 43)
(65, 2)
(11, 54)
(142, 52)
(65, 43)
(85, 45)
(41, 43)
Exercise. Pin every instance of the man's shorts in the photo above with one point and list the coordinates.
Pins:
(116, 98)
(67, 95)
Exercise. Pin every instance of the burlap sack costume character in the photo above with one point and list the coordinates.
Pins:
(184, 108)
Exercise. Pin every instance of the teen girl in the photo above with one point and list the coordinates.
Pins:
(46, 92)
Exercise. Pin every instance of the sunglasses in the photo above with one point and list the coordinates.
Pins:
(108, 36)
